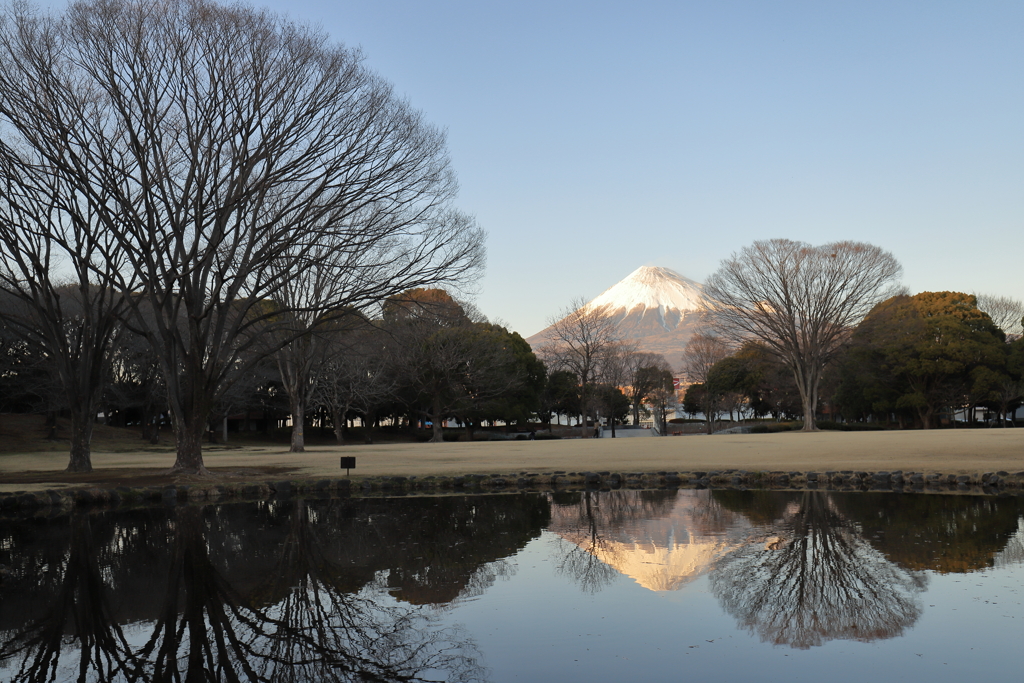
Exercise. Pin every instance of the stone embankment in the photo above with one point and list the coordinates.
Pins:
(987, 483)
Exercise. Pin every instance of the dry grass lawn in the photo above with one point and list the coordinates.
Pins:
(946, 451)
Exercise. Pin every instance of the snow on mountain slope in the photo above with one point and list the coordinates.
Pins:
(655, 306)
(651, 287)
(663, 296)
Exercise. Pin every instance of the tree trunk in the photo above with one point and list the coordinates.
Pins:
(148, 420)
(583, 409)
(298, 425)
(810, 424)
(807, 383)
(338, 415)
(368, 420)
(435, 418)
(189, 446)
(81, 440)
(51, 425)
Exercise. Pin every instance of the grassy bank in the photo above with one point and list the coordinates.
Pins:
(947, 451)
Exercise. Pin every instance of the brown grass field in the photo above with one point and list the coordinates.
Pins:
(119, 458)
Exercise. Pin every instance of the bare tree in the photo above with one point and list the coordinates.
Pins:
(57, 282)
(311, 331)
(616, 371)
(701, 354)
(1006, 313)
(581, 338)
(357, 375)
(816, 579)
(801, 301)
(663, 397)
(135, 381)
(222, 150)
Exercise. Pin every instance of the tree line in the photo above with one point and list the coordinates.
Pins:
(425, 358)
(794, 329)
(912, 362)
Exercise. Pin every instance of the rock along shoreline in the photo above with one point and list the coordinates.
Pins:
(999, 483)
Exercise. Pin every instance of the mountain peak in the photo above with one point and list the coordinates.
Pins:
(655, 306)
(651, 287)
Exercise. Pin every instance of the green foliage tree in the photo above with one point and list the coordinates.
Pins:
(452, 367)
(561, 394)
(1007, 388)
(920, 354)
(614, 404)
(521, 401)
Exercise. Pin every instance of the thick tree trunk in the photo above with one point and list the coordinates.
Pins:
(810, 425)
(81, 440)
(298, 409)
(435, 418)
(189, 446)
(807, 383)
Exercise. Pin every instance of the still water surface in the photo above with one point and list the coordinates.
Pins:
(602, 586)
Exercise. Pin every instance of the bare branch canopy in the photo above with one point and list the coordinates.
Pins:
(221, 150)
(801, 301)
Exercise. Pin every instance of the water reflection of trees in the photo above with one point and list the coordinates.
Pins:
(77, 616)
(284, 591)
(938, 533)
(317, 631)
(811, 577)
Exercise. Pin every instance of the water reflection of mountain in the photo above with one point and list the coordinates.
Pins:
(660, 539)
(276, 591)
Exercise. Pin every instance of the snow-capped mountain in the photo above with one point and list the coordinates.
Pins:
(657, 307)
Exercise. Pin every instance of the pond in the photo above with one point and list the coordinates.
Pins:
(597, 586)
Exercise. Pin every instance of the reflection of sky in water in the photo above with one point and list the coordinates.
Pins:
(540, 626)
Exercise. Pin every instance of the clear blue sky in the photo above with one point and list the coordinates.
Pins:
(591, 138)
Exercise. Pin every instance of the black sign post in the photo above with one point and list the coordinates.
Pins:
(348, 463)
